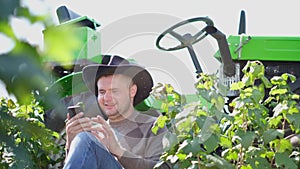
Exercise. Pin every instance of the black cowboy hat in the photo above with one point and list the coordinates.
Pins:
(112, 64)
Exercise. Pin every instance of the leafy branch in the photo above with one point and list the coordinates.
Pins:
(25, 142)
(253, 134)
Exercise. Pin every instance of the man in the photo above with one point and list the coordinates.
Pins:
(125, 140)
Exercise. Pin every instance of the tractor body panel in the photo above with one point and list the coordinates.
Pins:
(279, 54)
(89, 39)
(68, 76)
(264, 48)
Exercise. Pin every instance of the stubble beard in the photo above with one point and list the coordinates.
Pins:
(118, 113)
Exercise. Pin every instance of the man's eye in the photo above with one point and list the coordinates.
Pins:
(115, 91)
(101, 92)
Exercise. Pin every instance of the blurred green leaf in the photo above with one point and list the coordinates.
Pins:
(283, 160)
(275, 121)
(220, 162)
(24, 12)
(160, 123)
(185, 125)
(278, 80)
(231, 154)
(258, 163)
(271, 135)
(246, 138)
(192, 146)
(237, 86)
(181, 156)
(169, 141)
(287, 76)
(7, 8)
(22, 75)
(169, 88)
(257, 96)
(219, 102)
(296, 96)
(225, 142)
(211, 143)
(278, 91)
(185, 164)
(246, 167)
(6, 29)
(294, 119)
(266, 82)
(281, 145)
(58, 50)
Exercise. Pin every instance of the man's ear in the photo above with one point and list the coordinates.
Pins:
(133, 90)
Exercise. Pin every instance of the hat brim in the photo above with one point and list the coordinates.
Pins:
(140, 76)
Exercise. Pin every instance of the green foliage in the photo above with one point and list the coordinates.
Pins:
(251, 135)
(24, 140)
(10, 6)
(55, 47)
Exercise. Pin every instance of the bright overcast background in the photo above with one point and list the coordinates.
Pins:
(263, 17)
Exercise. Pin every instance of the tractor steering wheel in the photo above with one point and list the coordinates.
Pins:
(187, 39)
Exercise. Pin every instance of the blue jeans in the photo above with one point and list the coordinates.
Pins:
(86, 152)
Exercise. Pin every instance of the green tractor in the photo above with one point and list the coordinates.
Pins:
(67, 78)
(278, 54)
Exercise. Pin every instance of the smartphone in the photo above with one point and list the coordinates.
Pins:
(73, 110)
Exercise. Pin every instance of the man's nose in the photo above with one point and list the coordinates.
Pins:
(108, 95)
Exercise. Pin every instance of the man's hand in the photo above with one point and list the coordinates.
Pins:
(106, 135)
(75, 125)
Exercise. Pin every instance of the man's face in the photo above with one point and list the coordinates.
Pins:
(115, 95)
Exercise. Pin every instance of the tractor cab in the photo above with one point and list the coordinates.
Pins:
(67, 77)
(84, 30)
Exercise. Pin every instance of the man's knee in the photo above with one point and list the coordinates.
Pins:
(84, 135)
(86, 138)
(83, 138)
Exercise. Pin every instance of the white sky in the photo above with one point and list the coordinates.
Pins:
(263, 17)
